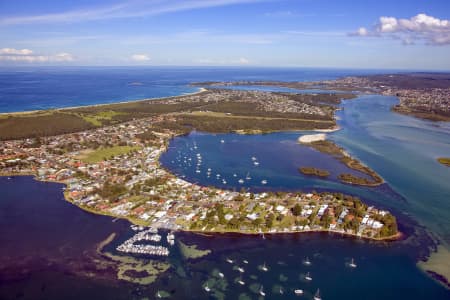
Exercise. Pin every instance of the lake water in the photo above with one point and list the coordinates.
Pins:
(47, 243)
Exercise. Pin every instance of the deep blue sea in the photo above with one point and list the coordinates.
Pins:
(44, 238)
(24, 89)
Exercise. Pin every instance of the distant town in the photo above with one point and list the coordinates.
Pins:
(423, 95)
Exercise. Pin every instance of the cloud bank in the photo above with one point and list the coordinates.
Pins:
(420, 28)
(140, 57)
(28, 56)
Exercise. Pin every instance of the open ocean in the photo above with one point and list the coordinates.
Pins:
(24, 89)
(46, 241)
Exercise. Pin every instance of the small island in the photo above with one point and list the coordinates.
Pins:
(314, 171)
(319, 142)
(444, 161)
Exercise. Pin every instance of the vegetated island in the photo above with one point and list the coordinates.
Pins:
(318, 142)
(444, 160)
(314, 171)
(113, 168)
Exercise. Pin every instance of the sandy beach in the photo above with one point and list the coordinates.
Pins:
(310, 138)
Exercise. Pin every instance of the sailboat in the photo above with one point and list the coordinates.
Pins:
(261, 291)
(207, 288)
(352, 264)
(240, 281)
(317, 295)
(264, 181)
(281, 291)
(229, 260)
(264, 267)
(308, 277)
(241, 270)
(248, 176)
(298, 292)
(307, 261)
(158, 295)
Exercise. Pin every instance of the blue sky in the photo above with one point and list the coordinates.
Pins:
(400, 34)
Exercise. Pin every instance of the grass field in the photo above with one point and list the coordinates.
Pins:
(100, 154)
(98, 118)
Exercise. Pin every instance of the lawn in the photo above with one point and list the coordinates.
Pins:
(101, 154)
(98, 118)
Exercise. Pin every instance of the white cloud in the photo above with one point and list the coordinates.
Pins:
(140, 57)
(243, 61)
(63, 57)
(27, 56)
(12, 51)
(124, 9)
(222, 62)
(421, 27)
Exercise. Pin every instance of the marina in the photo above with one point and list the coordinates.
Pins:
(149, 235)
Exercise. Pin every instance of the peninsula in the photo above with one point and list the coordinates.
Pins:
(110, 165)
(423, 95)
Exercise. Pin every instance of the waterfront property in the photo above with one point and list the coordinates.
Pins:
(131, 184)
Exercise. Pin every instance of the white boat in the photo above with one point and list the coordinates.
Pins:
(307, 261)
(207, 288)
(281, 291)
(264, 181)
(234, 175)
(171, 239)
(224, 181)
(197, 171)
(241, 270)
(256, 163)
(308, 277)
(221, 275)
(158, 295)
(241, 282)
(264, 267)
(261, 291)
(352, 264)
(298, 292)
(254, 158)
(245, 261)
(229, 260)
(222, 141)
(248, 176)
(218, 175)
(241, 181)
(317, 295)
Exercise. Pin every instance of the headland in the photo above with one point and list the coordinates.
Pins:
(108, 157)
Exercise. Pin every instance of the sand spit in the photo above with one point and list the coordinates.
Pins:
(310, 138)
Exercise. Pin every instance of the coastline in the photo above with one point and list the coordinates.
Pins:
(21, 113)
(399, 235)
